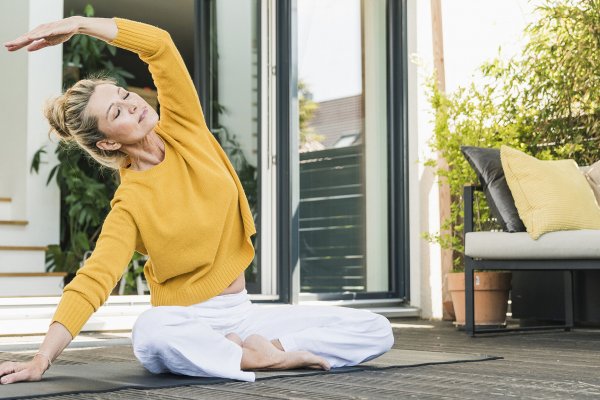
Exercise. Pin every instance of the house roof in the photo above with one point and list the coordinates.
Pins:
(337, 118)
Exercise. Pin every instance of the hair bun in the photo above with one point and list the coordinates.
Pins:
(55, 114)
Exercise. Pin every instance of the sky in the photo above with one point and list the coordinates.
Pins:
(329, 47)
(474, 31)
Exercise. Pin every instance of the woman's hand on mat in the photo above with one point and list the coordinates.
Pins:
(45, 35)
(32, 371)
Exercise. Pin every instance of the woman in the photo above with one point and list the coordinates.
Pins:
(180, 202)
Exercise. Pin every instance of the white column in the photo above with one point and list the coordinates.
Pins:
(375, 144)
(28, 80)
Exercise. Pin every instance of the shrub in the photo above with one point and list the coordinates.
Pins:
(544, 101)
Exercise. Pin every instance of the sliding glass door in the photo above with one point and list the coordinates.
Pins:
(342, 83)
(298, 92)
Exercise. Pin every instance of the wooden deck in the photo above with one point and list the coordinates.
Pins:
(535, 365)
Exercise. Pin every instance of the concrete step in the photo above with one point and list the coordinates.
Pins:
(15, 284)
(22, 258)
(32, 315)
(5, 208)
(18, 232)
(21, 232)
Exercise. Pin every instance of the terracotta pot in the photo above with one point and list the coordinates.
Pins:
(491, 296)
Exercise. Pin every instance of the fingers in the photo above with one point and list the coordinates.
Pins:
(7, 367)
(23, 375)
(38, 44)
(25, 39)
(17, 44)
(17, 372)
(44, 31)
(6, 370)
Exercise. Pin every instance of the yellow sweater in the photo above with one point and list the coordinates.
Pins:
(189, 213)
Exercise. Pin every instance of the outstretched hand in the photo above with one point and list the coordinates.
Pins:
(45, 35)
(11, 372)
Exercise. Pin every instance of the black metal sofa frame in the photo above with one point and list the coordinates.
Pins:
(471, 265)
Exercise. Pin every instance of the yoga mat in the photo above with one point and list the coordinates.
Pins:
(105, 377)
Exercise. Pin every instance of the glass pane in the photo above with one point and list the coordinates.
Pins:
(236, 39)
(343, 131)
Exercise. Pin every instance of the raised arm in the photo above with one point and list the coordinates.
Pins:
(176, 92)
(179, 103)
(60, 31)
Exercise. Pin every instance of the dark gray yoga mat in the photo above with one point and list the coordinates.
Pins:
(104, 377)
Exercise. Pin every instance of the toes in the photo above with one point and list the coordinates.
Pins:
(256, 342)
(234, 338)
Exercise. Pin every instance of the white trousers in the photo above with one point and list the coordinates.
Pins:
(191, 340)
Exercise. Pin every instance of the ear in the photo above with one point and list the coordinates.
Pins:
(105, 144)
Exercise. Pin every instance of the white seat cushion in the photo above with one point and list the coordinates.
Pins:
(576, 244)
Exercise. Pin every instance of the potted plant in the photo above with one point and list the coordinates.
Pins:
(468, 117)
(542, 101)
(85, 189)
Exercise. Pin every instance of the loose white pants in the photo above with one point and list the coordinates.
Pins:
(191, 340)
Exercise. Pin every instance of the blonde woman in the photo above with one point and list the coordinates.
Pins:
(181, 203)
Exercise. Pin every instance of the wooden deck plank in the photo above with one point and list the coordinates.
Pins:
(23, 248)
(13, 222)
(549, 365)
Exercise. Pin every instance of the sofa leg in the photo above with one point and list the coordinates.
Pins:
(469, 297)
(569, 303)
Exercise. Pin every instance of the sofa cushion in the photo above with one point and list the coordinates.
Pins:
(592, 174)
(488, 167)
(580, 244)
(549, 195)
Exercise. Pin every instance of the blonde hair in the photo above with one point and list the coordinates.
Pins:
(69, 120)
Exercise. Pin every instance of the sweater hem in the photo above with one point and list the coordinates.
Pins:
(210, 285)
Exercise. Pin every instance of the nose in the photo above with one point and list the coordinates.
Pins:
(132, 108)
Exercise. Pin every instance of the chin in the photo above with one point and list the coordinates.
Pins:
(151, 119)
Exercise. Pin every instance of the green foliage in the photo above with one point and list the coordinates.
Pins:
(132, 274)
(86, 188)
(544, 101)
(307, 108)
(85, 202)
(248, 175)
(84, 55)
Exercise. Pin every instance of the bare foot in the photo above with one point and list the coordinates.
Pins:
(277, 344)
(234, 338)
(260, 353)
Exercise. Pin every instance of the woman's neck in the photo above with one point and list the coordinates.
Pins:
(147, 153)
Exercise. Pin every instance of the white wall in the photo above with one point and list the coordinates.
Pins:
(473, 33)
(28, 79)
(13, 98)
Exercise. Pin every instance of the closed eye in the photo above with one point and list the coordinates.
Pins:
(119, 109)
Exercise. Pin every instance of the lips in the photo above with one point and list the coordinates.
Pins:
(143, 114)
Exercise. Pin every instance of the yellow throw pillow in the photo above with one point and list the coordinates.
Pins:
(549, 195)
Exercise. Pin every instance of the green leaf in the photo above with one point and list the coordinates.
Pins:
(35, 162)
(88, 10)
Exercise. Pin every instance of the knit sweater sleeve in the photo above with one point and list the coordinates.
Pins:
(94, 282)
(177, 96)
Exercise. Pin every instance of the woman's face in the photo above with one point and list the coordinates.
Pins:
(124, 117)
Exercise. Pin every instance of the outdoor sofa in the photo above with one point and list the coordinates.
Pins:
(562, 250)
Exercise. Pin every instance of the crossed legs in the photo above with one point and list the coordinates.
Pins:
(231, 339)
(260, 353)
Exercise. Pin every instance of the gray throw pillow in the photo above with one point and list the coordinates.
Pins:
(592, 174)
(488, 167)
